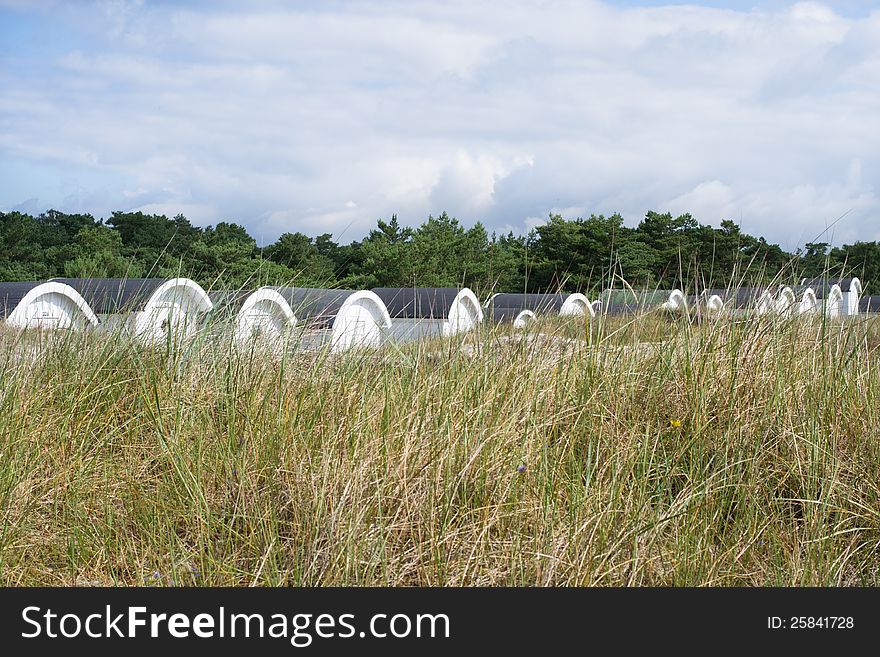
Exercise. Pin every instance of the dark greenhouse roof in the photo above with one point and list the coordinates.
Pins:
(500, 314)
(108, 296)
(537, 303)
(741, 297)
(417, 303)
(11, 295)
(647, 298)
(800, 289)
(623, 308)
(316, 306)
(869, 305)
(229, 301)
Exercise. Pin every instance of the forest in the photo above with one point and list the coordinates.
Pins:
(662, 251)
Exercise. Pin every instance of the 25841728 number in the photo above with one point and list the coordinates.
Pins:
(812, 622)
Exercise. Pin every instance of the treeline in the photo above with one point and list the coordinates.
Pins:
(580, 254)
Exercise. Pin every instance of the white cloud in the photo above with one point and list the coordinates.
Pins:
(324, 119)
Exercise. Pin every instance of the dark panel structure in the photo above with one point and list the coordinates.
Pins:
(619, 308)
(11, 295)
(738, 298)
(507, 305)
(228, 302)
(417, 303)
(546, 304)
(109, 296)
(500, 315)
(869, 305)
(316, 307)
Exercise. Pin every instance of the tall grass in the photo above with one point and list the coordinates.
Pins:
(637, 451)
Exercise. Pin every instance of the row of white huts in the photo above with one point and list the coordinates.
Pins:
(154, 310)
(829, 297)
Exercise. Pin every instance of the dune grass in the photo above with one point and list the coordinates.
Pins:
(637, 451)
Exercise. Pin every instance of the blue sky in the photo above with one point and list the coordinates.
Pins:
(324, 116)
(851, 8)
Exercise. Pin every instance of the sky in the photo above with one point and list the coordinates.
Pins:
(325, 116)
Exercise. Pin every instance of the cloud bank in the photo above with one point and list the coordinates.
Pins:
(323, 117)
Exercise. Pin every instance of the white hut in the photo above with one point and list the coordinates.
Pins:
(341, 319)
(829, 297)
(260, 316)
(712, 302)
(833, 301)
(808, 304)
(577, 305)
(786, 303)
(430, 311)
(853, 297)
(151, 309)
(44, 305)
(677, 302)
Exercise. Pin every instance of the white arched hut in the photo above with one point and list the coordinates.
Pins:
(566, 305)
(44, 305)
(430, 311)
(676, 302)
(787, 302)
(262, 316)
(712, 302)
(153, 310)
(807, 304)
(342, 319)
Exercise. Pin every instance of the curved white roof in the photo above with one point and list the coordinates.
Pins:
(264, 313)
(786, 301)
(853, 296)
(465, 313)
(523, 319)
(173, 306)
(834, 301)
(676, 301)
(764, 303)
(360, 322)
(52, 305)
(714, 303)
(180, 288)
(808, 303)
(577, 304)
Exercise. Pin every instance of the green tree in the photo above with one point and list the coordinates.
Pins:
(384, 258)
(300, 254)
(97, 252)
